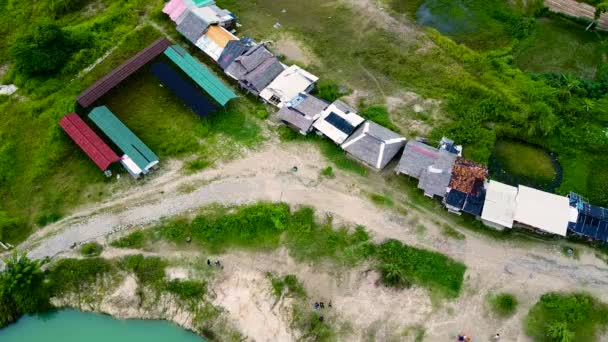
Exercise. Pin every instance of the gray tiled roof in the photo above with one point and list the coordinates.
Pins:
(302, 114)
(435, 178)
(417, 157)
(233, 50)
(371, 140)
(262, 75)
(192, 27)
(343, 107)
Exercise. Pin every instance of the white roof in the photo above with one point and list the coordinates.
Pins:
(542, 210)
(289, 84)
(331, 131)
(500, 204)
(208, 46)
(207, 14)
(131, 167)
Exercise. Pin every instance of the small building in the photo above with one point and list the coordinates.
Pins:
(431, 166)
(587, 220)
(212, 85)
(466, 191)
(138, 159)
(288, 85)
(374, 145)
(338, 121)
(233, 50)
(191, 26)
(255, 69)
(214, 15)
(499, 205)
(542, 211)
(90, 143)
(214, 41)
(301, 112)
(175, 8)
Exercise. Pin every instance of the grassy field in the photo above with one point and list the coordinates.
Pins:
(561, 46)
(523, 160)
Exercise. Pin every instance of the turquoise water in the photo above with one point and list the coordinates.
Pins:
(76, 326)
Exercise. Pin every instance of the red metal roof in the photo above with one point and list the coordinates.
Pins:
(99, 152)
(111, 80)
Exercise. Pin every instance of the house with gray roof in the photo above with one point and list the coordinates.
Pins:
(255, 69)
(431, 166)
(374, 145)
(301, 112)
(191, 26)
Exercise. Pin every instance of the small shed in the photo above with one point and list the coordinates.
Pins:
(138, 157)
(90, 143)
(214, 41)
(288, 85)
(255, 69)
(499, 205)
(214, 15)
(301, 112)
(338, 121)
(200, 74)
(542, 211)
(374, 145)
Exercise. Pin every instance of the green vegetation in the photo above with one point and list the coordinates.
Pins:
(328, 172)
(22, 288)
(77, 276)
(328, 90)
(570, 252)
(502, 304)
(382, 200)
(91, 249)
(379, 115)
(265, 226)
(135, 240)
(452, 233)
(566, 317)
(187, 290)
(402, 265)
(150, 271)
(286, 285)
(525, 162)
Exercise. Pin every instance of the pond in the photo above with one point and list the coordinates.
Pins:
(73, 326)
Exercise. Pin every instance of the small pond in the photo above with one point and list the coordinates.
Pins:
(77, 326)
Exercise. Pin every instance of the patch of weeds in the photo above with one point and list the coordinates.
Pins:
(288, 285)
(261, 114)
(416, 332)
(134, 240)
(314, 325)
(77, 275)
(379, 115)
(382, 200)
(91, 249)
(328, 172)
(150, 271)
(46, 219)
(197, 165)
(337, 156)
(452, 233)
(420, 229)
(187, 290)
(570, 252)
(502, 304)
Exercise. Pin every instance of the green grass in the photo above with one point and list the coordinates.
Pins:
(525, 161)
(328, 172)
(561, 46)
(566, 317)
(150, 271)
(288, 285)
(135, 240)
(382, 200)
(74, 275)
(379, 115)
(452, 233)
(91, 249)
(187, 290)
(502, 304)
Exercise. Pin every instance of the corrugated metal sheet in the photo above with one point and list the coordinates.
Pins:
(201, 3)
(102, 86)
(200, 74)
(99, 152)
(122, 137)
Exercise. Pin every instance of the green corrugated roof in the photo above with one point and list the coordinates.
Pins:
(122, 137)
(200, 74)
(201, 3)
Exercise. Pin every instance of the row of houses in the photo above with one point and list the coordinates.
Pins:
(252, 65)
(462, 185)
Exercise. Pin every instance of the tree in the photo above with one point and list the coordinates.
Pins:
(44, 50)
(22, 288)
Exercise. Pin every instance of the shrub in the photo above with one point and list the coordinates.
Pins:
(288, 285)
(8, 225)
(382, 200)
(134, 240)
(44, 50)
(379, 115)
(187, 289)
(566, 317)
(401, 265)
(150, 271)
(75, 275)
(503, 304)
(328, 90)
(452, 233)
(91, 249)
(328, 172)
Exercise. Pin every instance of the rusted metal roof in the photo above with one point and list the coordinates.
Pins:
(468, 176)
(111, 80)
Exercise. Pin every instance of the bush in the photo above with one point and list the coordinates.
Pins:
(328, 90)
(187, 289)
(74, 275)
(91, 249)
(379, 115)
(134, 240)
(44, 50)
(8, 225)
(288, 284)
(503, 304)
(328, 172)
(401, 265)
(382, 200)
(150, 271)
(566, 317)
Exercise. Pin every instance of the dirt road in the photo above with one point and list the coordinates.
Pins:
(527, 270)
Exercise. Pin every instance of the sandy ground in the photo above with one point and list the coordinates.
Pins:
(526, 270)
